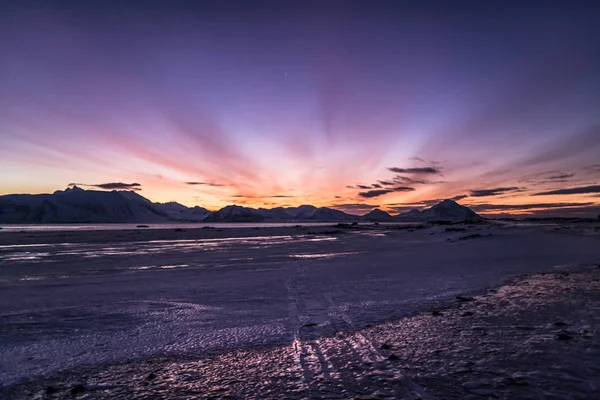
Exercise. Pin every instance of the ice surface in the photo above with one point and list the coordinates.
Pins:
(66, 306)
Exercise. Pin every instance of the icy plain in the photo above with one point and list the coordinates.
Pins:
(68, 303)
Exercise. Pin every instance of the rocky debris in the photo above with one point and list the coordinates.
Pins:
(77, 389)
(393, 357)
(493, 355)
(472, 236)
(464, 299)
(563, 336)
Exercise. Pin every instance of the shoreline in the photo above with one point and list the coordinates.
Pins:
(493, 344)
(8, 238)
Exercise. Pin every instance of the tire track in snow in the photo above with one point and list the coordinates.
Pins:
(337, 361)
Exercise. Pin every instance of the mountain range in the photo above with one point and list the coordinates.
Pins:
(76, 205)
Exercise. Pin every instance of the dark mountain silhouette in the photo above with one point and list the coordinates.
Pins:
(76, 205)
(378, 215)
(447, 210)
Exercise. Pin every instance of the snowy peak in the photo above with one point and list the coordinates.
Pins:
(235, 214)
(447, 210)
(377, 215)
(76, 205)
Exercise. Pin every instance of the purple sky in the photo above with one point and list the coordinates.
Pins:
(285, 103)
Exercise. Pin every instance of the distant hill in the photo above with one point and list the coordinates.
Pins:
(179, 212)
(447, 210)
(378, 215)
(235, 214)
(76, 205)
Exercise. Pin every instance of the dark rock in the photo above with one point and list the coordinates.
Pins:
(393, 357)
(560, 323)
(455, 229)
(51, 390)
(151, 376)
(143, 226)
(436, 313)
(473, 236)
(309, 325)
(178, 230)
(77, 389)
(563, 336)
(385, 346)
(464, 298)
(466, 314)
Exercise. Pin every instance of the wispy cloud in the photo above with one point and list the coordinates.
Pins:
(574, 190)
(111, 185)
(513, 207)
(193, 183)
(386, 183)
(560, 177)
(492, 192)
(381, 192)
(423, 170)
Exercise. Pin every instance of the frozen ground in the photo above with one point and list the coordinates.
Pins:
(287, 299)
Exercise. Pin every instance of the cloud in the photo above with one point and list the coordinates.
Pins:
(386, 183)
(547, 178)
(575, 190)
(459, 197)
(422, 204)
(381, 192)
(492, 192)
(424, 170)
(411, 181)
(560, 177)
(204, 184)
(111, 186)
(363, 187)
(376, 186)
(509, 207)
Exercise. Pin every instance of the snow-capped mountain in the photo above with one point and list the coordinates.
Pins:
(276, 214)
(179, 212)
(412, 215)
(302, 212)
(76, 205)
(447, 210)
(378, 215)
(235, 214)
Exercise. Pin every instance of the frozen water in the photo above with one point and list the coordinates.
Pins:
(66, 306)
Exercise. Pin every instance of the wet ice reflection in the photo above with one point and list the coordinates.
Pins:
(51, 252)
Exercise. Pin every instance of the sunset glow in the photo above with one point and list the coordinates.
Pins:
(214, 105)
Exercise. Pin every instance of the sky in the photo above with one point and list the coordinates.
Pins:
(348, 104)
